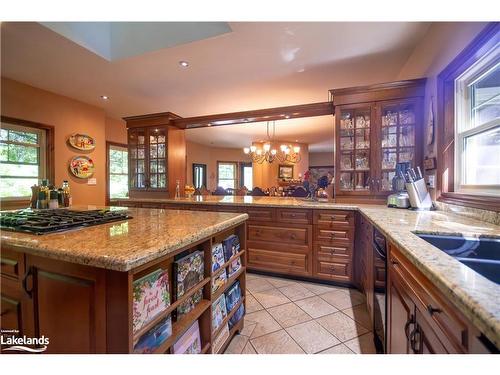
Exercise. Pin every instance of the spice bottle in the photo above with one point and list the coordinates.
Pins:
(41, 203)
(53, 201)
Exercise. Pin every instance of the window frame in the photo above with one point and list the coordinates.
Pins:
(109, 145)
(236, 173)
(47, 165)
(242, 165)
(447, 171)
(204, 168)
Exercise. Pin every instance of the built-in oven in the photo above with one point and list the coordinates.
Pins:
(379, 246)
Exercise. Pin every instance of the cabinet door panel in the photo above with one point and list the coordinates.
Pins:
(278, 261)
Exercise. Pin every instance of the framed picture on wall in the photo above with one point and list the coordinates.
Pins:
(285, 172)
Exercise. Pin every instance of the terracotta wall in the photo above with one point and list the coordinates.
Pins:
(202, 154)
(67, 116)
(442, 43)
(319, 159)
(116, 130)
(265, 175)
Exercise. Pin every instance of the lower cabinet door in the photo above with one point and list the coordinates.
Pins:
(400, 319)
(16, 314)
(278, 260)
(424, 340)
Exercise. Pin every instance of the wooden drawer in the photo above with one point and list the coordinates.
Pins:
(290, 215)
(339, 271)
(278, 261)
(330, 236)
(449, 325)
(333, 218)
(151, 205)
(12, 263)
(229, 208)
(294, 235)
(261, 214)
(332, 252)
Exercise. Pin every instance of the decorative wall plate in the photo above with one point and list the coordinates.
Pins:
(82, 166)
(81, 142)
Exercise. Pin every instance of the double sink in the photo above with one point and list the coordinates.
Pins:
(480, 254)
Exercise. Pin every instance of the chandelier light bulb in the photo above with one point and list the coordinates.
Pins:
(283, 148)
(296, 149)
(287, 150)
(253, 148)
(273, 151)
(267, 147)
(246, 150)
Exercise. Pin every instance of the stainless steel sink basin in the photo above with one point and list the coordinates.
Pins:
(480, 254)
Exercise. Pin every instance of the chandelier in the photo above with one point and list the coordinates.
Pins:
(285, 154)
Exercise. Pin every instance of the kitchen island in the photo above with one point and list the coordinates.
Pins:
(331, 242)
(77, 287)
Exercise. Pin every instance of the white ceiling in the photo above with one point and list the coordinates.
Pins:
(257, 65)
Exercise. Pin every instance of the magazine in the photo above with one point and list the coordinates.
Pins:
(231, 246)
(150, 297)
(154, 337)
(221, 339)
(188, 271)
(219, 281)
(219, 312)
(234, 267)
(217, 257)
(237, 316)
(233, 296)
(189, 342)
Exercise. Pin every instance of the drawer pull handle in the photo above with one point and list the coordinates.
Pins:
(293, 236)
(432, 310)
(25, 282)
(5, 312)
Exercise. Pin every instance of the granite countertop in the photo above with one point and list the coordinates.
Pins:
(475, 296)
(124, 245)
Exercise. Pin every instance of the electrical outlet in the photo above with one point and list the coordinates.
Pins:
(92, 181)
(431, 181)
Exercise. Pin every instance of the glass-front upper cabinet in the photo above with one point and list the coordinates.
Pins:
(398, 138)
(354, 142)
(147, 158)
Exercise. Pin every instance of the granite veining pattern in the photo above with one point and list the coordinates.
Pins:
(124, 245)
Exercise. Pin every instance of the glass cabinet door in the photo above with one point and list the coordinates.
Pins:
(157, 158)
(398, 124)
(354, 149)
(137, 158)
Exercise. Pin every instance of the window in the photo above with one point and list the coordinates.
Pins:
(227, 174)
(246, 175)
(23, 159)
(477, 126)
(118, 171)
(199, 175)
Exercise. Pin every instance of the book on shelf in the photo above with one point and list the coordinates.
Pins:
(217, 262)
(150, 297)
(234, 267)
(231, 246)
(153, 338)
(219, 281)
(221, 339)
(189, 342)
(188, 271)
(219, 312)
(233, 296)
(237, 316)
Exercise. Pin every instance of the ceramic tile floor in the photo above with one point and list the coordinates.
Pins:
(295, 317)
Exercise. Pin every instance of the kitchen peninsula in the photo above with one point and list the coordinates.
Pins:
(78, 287)
(332, 242)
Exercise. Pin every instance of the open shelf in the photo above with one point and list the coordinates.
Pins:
(178, 328)
(236, 328)
(228, 316)
(229, 282)
(224, 266)
(170, 309)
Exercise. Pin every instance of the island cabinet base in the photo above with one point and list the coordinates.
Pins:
(83, 309)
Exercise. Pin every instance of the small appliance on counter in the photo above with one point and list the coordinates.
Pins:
(400, 198)
(420, 199)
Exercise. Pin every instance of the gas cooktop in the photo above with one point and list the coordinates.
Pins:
(57, 220)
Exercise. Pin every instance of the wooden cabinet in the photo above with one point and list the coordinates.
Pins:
(376, 127)
(157, 155)
(363, 263)
(420, 319)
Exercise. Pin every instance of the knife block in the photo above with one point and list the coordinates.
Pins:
(420, 199)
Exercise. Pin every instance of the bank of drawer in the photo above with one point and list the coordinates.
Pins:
(286, 235)
(333, 218)
(340, 271)
(12, 263)
(261, 214)
(332, 252)
(330, 236)
(278, 261)
(294, 216)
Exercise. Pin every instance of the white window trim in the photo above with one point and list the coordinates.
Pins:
(42, 154)
(123, 149)
(463, 121)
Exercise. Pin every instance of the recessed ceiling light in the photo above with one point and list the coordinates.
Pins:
(209, 124)
(104, 97)
(183, 63)
(287, 116)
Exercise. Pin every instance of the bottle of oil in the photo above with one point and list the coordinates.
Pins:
(45, 189)
(66, 194)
